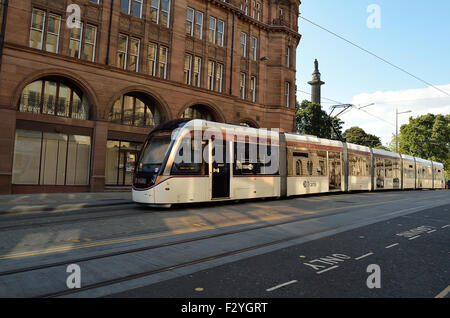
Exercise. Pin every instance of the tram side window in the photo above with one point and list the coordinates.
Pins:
(298, 167)
(379, 167)
(409, 172)
(250, 159)
(388, 168)
(190, 167)
(358, 165)
(319, 158)
(300, 162)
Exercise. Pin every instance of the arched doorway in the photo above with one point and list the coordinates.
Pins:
(135, 109)
(200, 111)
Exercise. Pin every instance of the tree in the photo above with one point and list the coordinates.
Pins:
(357, 135)
(427, 137)
(311, 119)
(391, 146)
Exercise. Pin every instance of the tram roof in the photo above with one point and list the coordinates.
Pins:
(385, 153)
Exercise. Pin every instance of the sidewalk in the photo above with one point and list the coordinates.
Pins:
(19, 203)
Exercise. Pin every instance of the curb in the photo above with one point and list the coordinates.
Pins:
(63, 207)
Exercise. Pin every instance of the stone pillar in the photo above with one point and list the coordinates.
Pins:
(7, 138)
(99, 140)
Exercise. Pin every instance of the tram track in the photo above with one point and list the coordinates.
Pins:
(69, 219)
(174, 243)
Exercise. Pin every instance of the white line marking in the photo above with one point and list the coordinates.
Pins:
(361, 257)
(326, 270)
(281, 285)
(431, 231)
(413, 238)
(444, 293)
(392, 245)
(445, 226)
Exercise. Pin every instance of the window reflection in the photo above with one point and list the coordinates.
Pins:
(54, 98)
(135, 111)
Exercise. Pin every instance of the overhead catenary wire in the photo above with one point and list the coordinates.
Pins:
(376, 56)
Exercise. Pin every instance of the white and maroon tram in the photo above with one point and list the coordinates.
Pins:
(255, 163)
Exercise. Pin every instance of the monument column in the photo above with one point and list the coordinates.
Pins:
(316, 84)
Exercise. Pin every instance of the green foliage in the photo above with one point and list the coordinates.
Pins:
(311, 119)
(391, 146)
(358, 136)
(427, 137)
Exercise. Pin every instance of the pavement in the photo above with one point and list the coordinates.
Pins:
(48, 202)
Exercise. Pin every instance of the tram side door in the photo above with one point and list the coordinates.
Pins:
(220, 174)
(335, 170)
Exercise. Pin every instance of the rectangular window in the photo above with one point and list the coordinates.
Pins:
(125, 6)
(154, 11)
(253, 88)
(243, 44)
(258, 11)
(220, 32)
(122, 51)
(197, 71)
(53, 30)
(187, 69)
(37, 29)
(242, 84)
(133, 7)
(90, 39)
(198, 30)
(288, 94)
(219, 77)
(162, 69)
(211, 75)
(189, 21)
(288, 56)
(212, 30)
(151, 60)
(27, 157)
(137, 8)
(75, 42)
(42, 158)
(133, 60)
(165, 12)
(160, 12)
(254, 51)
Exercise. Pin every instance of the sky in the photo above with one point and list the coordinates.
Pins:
(412, 34)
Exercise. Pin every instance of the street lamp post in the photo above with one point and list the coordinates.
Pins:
(396, 126)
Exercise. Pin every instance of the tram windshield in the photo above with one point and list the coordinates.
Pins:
(151, 160)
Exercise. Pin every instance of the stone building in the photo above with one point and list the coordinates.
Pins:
(78, 100)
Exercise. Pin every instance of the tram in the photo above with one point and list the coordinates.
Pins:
(192, 161)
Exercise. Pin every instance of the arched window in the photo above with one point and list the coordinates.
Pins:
(247, 123)
(135, 110)
(198, 112)
(54, 96)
